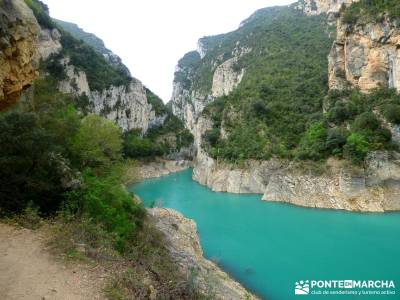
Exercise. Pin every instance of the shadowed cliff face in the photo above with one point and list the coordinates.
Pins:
(18, 36)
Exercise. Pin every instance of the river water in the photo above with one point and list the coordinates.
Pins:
(268, 247)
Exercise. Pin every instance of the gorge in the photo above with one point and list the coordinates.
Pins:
(287, 131)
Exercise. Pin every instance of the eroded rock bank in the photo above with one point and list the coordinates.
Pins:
(372, 188)
(184, 245)
(160, 167)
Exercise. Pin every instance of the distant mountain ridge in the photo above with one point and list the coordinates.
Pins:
(95, 42)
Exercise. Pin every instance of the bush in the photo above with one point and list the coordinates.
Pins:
(335, 141)
(108, 203)
(313, 144)
(97, 144)
(28, 172)
(212, 136)
(136, 146)
(356, 148)
(365, 121)
(392, 113)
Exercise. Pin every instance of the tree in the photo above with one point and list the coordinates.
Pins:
(28, 172)
(97, 144)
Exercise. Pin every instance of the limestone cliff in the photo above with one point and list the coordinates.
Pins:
(316, 7)
(366, 55)
(363, 56)
(18, 39)
(189, 98)
(184, 245)
(373, 188)
(126, 104)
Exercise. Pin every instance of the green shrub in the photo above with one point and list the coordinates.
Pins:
(212, 136)
(28, 172)
(313, 144)
(356, 148)
(370, 10)
(392, 113)
(97, 144)
(136, 146)
(335, 141)
(366, 121)
(107, 202)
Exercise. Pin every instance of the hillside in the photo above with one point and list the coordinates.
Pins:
(268, 80)
(96, 43)
(275, 108)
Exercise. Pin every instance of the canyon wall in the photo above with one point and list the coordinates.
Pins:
(18, 40)
(366, 55)
(363, 56)
(373, 188)
(126, 105)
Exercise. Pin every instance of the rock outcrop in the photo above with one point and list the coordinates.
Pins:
(188, 100)
(49, 43)
(317, 7)
(184, 245)
(160, 168)
(18, 42)
(225, 78)
(375, 188)
(366, 55)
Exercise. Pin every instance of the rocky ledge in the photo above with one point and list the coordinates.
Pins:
(184, 245)
(372, 188)
(161, 167)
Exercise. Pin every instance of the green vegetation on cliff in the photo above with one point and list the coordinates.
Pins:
(371, 10)
(100, 73)
(159, 141)
(282, 90)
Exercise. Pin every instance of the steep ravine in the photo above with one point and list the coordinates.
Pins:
(364, 56)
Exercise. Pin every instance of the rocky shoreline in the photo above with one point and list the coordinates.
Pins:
(184, 245)
(160, 167)
(373, 188)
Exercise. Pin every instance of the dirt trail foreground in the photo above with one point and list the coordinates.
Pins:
(28, 271)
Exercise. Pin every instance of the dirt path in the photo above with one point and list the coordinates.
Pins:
(28, 271)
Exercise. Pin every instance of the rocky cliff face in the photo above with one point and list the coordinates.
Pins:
(366, 56)
(375, 188)
(317, 7)
(184, 245)
(126, 105)
(18, 39)
(188, 98)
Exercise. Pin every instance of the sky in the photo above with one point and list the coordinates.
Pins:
(152, 35)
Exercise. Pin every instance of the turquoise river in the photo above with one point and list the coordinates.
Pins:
(268, 247)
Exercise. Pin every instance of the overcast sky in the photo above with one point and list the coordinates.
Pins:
(152, 35)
